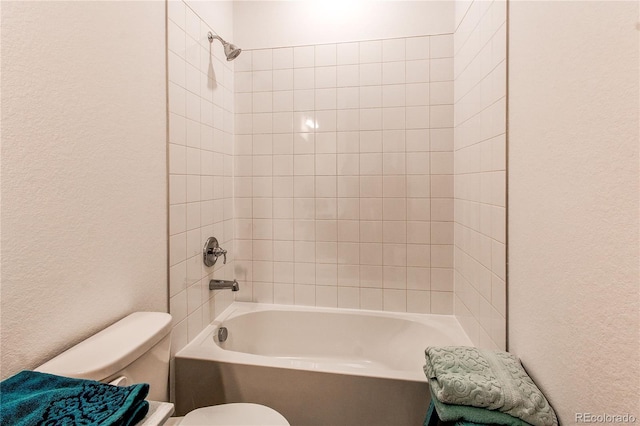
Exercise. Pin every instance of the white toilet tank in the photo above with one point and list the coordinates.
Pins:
(135, 349)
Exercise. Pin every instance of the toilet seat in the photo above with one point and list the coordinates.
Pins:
(237, 414)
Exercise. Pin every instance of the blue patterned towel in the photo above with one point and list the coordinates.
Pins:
(32, 398)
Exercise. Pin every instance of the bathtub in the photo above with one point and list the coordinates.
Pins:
(316, 366)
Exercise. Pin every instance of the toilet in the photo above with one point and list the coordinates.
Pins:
(136, 349)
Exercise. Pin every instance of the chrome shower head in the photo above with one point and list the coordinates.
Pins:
(231, 51)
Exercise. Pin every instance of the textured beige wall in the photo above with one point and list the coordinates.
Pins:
(84, 217)
(268, 24)
(573, 202)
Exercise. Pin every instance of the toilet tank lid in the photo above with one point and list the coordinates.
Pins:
(112, 349)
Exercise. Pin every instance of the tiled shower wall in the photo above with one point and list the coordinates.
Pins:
(200, 170)
(344, 174)
(480, 179)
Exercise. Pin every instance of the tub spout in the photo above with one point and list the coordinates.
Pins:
(224, 284)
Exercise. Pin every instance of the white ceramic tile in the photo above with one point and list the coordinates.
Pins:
(303, 78)
(418, 301)
(371, 186)
(304, 295)
(442, 46)
(370, 74)
(262, 292)
(326, 296)
(283, 79)
(442, 279)
(441, 302)
(394, 209)
(370, 209)
(417, 48)
(370, 97)
(305, 273)
(176, 39)
(393, 50)
(348, 141)
(418, 209)
(394, 300)
(417, 140)
(325, 99)
(418, 163)
(303, 56)
(441, 116)
(441, 256)
(371, 141)
(441, 139)
(371, 298)
(393, 118)
(347, 53)
(348, 186)
(417, 71)
(178, 306)
(283, 101)
(262, 59)
(177, 219)
(418, 278)
(371, 164)
(325, 54)
(242, 62)
(370, 51)
(326, 121)
(394, 72)
(347, 75)
(393, 141)
(441, 69)
(283, 294)
(325, 77)
(394, 163)
(371, 119)
(394, 186)
(441, 93)
(192, 24)
(371, 231)
(177, 189)
(177, 129)
(347, 120)
(193, 215)
(282, 58)
(178, 248)
(262, 81)
(393, 95)
(176, 12)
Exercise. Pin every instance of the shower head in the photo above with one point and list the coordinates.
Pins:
(231, 51)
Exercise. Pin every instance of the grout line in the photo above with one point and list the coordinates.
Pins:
(351, 42)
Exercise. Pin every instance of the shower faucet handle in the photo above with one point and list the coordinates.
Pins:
(220, 251)
(212, 251)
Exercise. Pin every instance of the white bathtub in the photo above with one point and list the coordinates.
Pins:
(315, 365)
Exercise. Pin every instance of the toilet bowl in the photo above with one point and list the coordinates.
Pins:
(136, 349)
(237, 414)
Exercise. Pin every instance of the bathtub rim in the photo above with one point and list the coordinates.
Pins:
(203, 347)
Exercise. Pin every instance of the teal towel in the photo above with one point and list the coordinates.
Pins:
(493, 380)
(32, 398)
(433, 418)
(467, 413)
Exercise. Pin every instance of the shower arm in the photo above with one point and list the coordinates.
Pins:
(211, 36)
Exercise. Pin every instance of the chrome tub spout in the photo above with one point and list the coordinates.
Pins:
(223, 285)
